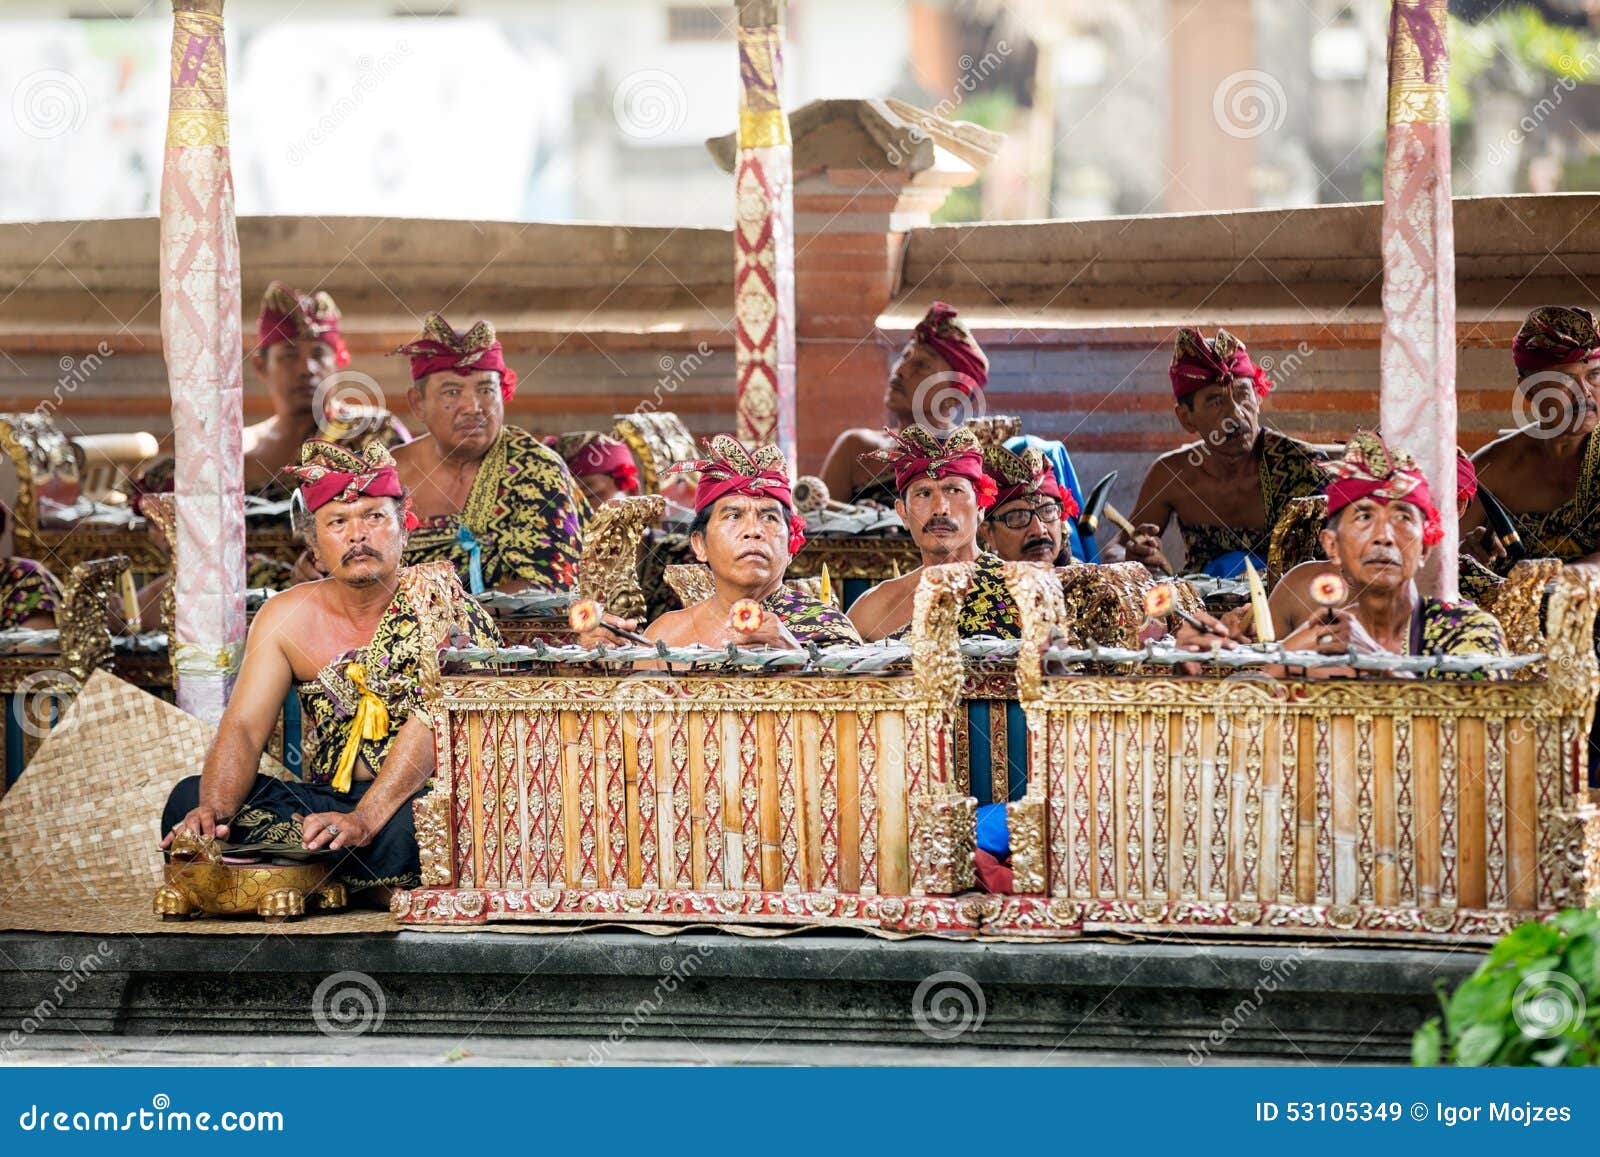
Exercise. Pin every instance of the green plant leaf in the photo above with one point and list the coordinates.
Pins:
(1478, 1044)
(1425, 1044)
(1556, 1054)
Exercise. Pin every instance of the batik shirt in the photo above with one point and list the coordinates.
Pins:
(809, 619)
(26, 589)
(1572, 530)
(524, 513)
(1456, 629)
(987, 609)
(1290, 469)
(393, 666)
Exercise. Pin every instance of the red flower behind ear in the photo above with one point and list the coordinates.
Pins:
(411, 520)
(1432, 532)
(627, 478)
(797, 534)
(987, 490)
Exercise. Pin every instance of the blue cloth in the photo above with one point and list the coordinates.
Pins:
(1060, 461)
(994, 834)
(1231, 565)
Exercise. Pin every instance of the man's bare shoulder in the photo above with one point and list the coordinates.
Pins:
(416, 452)
(672, 627)
(288, 611)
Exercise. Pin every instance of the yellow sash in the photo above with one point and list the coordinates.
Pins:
(371, 722)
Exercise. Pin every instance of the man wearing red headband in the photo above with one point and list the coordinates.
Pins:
(298, 351)
(1025, 523)
(943, 493)
(1229, 488)
(934, 382)
(298, 346)
(351, 644)
(1547, 473)
(1381, 524)
(493, 499)
(746, 531)
(602, 466)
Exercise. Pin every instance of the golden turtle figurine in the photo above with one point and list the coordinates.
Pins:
(204, 885)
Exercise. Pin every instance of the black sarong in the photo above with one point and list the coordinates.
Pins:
(268, 816)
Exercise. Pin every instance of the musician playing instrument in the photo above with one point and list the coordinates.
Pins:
(932, 382)
(491, 498)
(943, 493)
(745, 530)
(1547, 473)
(1381, 525)
(1229, 488)
(351, 644)
(1030, 510)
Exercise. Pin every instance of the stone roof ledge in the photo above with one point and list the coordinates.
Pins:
(880, 135)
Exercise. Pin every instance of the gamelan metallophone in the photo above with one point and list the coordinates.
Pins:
(1232, 804)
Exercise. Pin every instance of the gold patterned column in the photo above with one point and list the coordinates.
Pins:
(201, 342)
(1417, 398)
(763, 278)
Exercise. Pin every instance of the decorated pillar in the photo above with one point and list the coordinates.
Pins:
(763, 235)
(1417, 402)
(204, 354)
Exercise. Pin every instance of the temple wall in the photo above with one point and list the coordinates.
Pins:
(1077, 316)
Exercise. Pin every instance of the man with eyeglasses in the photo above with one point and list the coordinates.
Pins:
(1025, 523)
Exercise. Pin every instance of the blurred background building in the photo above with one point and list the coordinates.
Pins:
(597, 110)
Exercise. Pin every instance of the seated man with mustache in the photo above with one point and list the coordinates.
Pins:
(351, 644)
(1380, 527)
(943, 493)
(1228, 489)
(492, 498)
(1547, 474)
(1025, 523)
(746, 531)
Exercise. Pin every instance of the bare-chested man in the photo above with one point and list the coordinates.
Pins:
(1229, 488)
(942, 494)
(350, 644)
(1547, 473)
(746, 531)
(932, 382)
